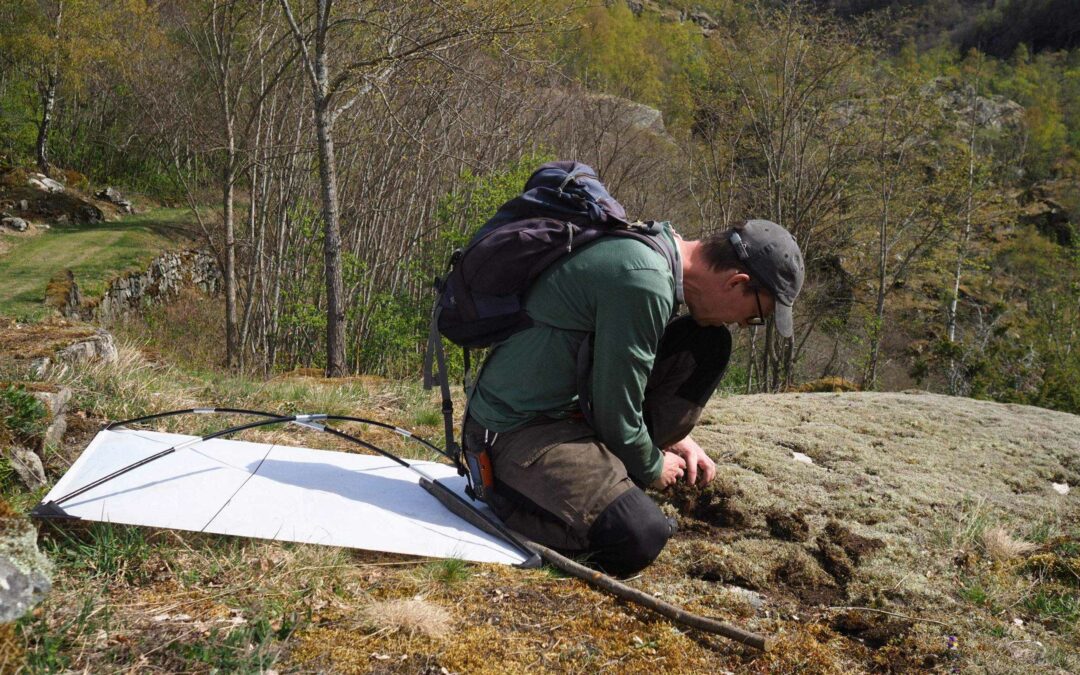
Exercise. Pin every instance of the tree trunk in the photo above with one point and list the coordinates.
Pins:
(48, 102)
(48, 95)
(961, 255)
(335, 307)
(231, 331)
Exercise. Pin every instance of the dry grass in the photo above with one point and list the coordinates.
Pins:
(12, 652)
(129, 387)
(414, 616)
(1000, 546)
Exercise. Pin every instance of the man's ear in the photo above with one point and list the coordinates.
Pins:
(735, 278)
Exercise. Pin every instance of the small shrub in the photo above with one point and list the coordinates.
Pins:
(74, 179)
(827, 384)
(21, 414)
(975, 593)
(14, 178)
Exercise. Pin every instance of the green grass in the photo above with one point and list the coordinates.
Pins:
(975, 593)
(102, 551)
(1056, 607)
(448, 571)
(21, 413)
(428, 418)
(94, 253)
(250, 648)
(51, 646)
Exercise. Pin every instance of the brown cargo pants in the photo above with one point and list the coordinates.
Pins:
(557, 484)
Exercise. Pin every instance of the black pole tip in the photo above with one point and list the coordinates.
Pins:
(51, 510)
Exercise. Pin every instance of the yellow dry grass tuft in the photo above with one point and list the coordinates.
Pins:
(1000, 546)
(414, 616)
(12, 653)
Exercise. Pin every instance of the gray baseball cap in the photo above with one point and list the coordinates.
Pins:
(774, 260)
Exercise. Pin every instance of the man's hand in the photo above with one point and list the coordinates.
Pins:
(700, 469)
(674, 467)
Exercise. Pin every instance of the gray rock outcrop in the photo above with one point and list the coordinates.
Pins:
(164, 278)
(63, 295)
(99, 347)
(28, 467)
(42, 182)
(1044, 207)
(614, 112)
(113, 196)
(14, 224)
(56, 403)
(24, 572)
(702, 19)
(986, 112)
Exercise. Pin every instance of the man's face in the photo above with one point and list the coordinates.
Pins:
(728, 299)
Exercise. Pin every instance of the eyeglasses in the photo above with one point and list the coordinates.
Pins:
(758, 320)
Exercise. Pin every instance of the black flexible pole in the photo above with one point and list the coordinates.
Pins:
(190, 411)
(146, 460)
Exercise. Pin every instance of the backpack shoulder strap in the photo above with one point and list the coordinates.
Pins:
(651, 234)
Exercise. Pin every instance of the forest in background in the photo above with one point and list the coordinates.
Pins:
(334, 153)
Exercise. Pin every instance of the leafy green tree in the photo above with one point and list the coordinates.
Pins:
(638, 57)
(398, 322)
(349, 50)
(63, 41)
(1035, 83)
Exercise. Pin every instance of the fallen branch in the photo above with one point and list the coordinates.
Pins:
(624, 592)
(458, 506)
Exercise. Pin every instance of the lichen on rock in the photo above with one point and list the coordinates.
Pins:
(25, 573)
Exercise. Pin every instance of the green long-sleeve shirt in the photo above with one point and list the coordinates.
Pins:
(622, 291)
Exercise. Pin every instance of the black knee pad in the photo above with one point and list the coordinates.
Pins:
(628, 534)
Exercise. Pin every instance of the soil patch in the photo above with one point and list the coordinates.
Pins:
(857, 547)
(804, 578)
(788, 526)
(721, 504)
(841, 550)
(873, 630)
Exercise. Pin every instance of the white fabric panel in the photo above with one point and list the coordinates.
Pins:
(274, 492)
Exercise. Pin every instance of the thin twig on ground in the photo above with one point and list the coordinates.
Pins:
(899, 616)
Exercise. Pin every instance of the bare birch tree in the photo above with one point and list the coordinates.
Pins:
(349, 50)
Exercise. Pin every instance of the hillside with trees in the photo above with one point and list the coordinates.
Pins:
(332, 155)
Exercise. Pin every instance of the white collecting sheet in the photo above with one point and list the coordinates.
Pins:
(274, 492)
